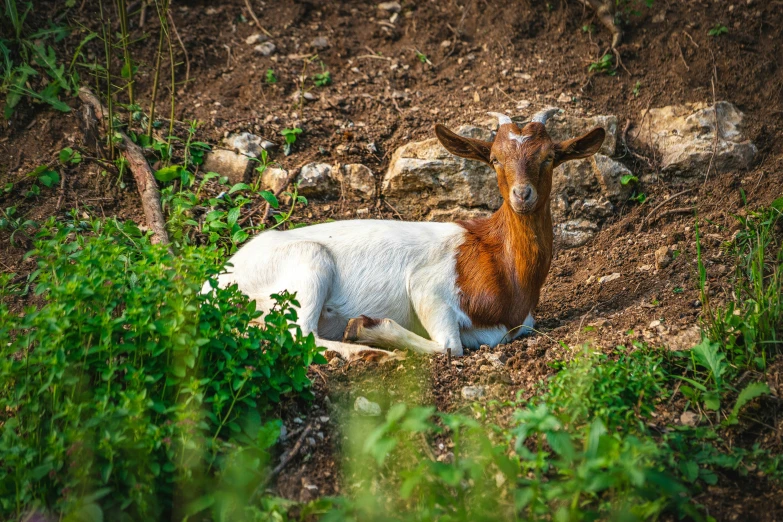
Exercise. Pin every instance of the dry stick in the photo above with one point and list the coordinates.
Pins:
(62, 190)
(683, 210)
(664, 202)
(288, 456)
(182, 45)
(253, 16)
(145, 179)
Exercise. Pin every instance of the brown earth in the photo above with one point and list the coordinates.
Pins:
(478, 52)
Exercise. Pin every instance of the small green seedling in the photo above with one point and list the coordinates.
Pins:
(641, 197)
(718, 30)
(68, 156)
(290, 136)
(322, 79)
(628, 179)
(636, 88)
(588, 28)
(422, 57)
(270, 77)
(604, 65)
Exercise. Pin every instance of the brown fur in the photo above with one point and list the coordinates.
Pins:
(505, 258)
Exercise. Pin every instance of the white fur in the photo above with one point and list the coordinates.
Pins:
(402, 271)
(520, 139)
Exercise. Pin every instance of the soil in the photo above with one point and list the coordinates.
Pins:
(482, 55)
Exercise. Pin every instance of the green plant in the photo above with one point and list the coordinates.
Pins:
(270, 77)
(290, 136)
(422, 58)
(131, 393)
(9, 222)
(639, 197)
(628, 179)
(604, 65)
(636, 88)
(718, 29)
(322, 79)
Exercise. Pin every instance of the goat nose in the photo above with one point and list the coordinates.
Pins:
(524, 193)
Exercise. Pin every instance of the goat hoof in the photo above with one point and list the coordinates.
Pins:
(353, 332)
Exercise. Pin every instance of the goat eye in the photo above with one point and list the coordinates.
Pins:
(495, 161)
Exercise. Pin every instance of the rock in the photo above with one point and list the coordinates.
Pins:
(274, 179)
(359, 179)
(319, 42)
(455, 213)
(663, 258)
(471, 393)
(608, 278)
(254, 39)
(684, 339)
(688, 418)
(564, 126)
(685, 138)
(498, 360)
(425, 174)
(366, 408)
(236, 167)
(392, 7)
(609, 174)
(266, 48)
(316, 180)
(659, 18)
(575, 232)
(248, 144)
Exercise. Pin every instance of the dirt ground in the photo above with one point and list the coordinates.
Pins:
(483, 55)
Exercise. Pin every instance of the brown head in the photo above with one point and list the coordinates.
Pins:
(523, 157)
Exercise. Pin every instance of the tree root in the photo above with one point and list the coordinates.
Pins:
(605, 11)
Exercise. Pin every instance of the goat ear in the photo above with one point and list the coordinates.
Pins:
(581, 147)
(464, 147)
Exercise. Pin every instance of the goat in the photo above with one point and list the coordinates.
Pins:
(424, 285)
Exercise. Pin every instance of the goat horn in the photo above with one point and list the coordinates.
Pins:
(502, 118)
(543, 115)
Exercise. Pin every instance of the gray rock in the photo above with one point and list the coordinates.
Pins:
(575, 232)
(663, 257)
(564, 127)
(319, 42)
(255, 38)
(471, 393)
(248, 144)
(366, 408)
(684, 135)
(266, 48)
(424, 173)
(236, 167)
(317, 180)
(358, 178)
(274, 179)
(392, 7)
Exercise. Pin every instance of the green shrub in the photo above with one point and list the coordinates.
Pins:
(128, 392)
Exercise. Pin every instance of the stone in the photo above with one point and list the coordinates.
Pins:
(575, 232)
(392, 7)
(498, 360)
(319, 42)
(564, 126)
(248, 144)
(233, 165)
(689, 418)
(366, 408)
(471, 393)
(274, 179)
(358, 178)
(447, 215)
(607, 278)
(663, 258)
(254, 39)
(425, 174)
(684, 136)
(609, 174)
(316, 180)
(266, 48)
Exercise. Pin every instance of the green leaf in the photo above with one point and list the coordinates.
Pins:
(168, 173)
(239, 186)
(270, 198)
(233, 216)
(628, 178)
(751, 391)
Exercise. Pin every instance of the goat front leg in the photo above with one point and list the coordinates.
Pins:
(386, 333)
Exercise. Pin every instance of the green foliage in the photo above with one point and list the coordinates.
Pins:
(322, 79)
(127, 393)
(718, 29)
(605, 65)
(290, 136)
(636, 88)
(270, 77)
(628, 179)
(14, 225)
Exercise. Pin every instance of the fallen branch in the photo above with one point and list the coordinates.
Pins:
(142, 173)
(283, 463)
(253, 16)
(661, 204)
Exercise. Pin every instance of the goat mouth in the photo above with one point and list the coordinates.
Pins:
(523, 208)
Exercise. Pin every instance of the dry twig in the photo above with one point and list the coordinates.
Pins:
(253, 16)
(142, 173)
(290, 454)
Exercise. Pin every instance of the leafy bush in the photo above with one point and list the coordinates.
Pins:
(128, 392)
